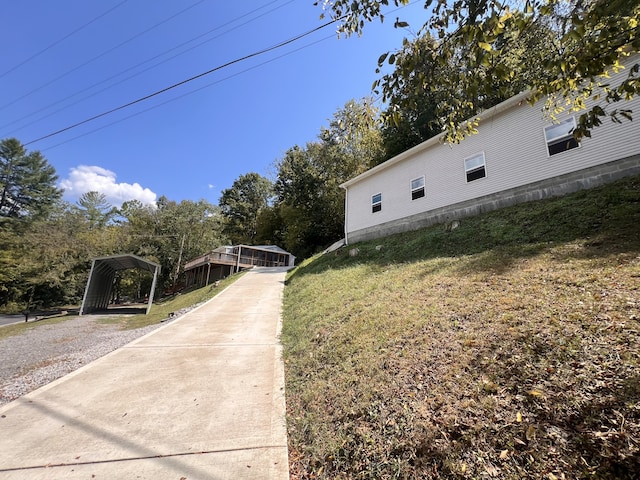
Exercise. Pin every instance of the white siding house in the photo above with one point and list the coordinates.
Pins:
(517, 155)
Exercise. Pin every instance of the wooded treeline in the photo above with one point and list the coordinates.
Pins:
(48, 243)
(467, 57)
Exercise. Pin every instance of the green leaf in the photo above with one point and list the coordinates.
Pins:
(626, 114)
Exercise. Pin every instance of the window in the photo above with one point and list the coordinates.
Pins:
(417, 188)
(474, 167)
(559, 137)
(376, 203)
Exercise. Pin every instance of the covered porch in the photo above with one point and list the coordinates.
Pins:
(224, 261)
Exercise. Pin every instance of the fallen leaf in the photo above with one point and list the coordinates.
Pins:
(530, 433)
(504, 454)
(519, 417)
(491, 470)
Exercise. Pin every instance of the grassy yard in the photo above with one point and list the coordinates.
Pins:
(159, 311)
(506, 348)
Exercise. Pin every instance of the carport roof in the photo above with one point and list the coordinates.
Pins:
(127, 261)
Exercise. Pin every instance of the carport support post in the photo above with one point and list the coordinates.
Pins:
(86, 289)
(153, 290)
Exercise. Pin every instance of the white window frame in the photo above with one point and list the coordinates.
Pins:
(564, 136)
(416, 190)
(475, 168)
(376, 206)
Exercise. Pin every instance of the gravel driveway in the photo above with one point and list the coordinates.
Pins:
(47, 352)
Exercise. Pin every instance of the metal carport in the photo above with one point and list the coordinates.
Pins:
(103, 271)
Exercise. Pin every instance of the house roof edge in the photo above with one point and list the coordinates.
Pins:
(484, 115)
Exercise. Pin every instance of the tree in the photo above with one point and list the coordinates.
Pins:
(591, 40)
(309, 199)
(300, 200)
(412, 115)
(27, 182)
(10, 258)
(96, 209)
(53, 265)
(270, 227)
(44, 262)
(354, 137)
(171, 233)
(242, 204)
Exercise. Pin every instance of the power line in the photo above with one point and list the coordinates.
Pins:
(138, 65)
(100, 55)
(188, 93)
(260, 52)
(175, 85)
(61, 40)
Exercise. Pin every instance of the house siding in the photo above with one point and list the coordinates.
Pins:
(518, 168)
(561, 185)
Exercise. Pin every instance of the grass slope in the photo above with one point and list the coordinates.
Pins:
(506, 348)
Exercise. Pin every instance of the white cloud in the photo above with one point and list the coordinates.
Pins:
(84, 178)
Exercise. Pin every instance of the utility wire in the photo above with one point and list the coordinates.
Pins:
(260, 52)
(62, 39)
(188, 93)
(139, 65)
(99, 56)
(175, 85)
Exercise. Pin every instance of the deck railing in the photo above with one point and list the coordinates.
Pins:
(232, 259)
(213, 257)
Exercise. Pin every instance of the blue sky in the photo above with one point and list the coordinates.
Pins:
(70, 60)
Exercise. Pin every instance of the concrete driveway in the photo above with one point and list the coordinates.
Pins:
(200, 398)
